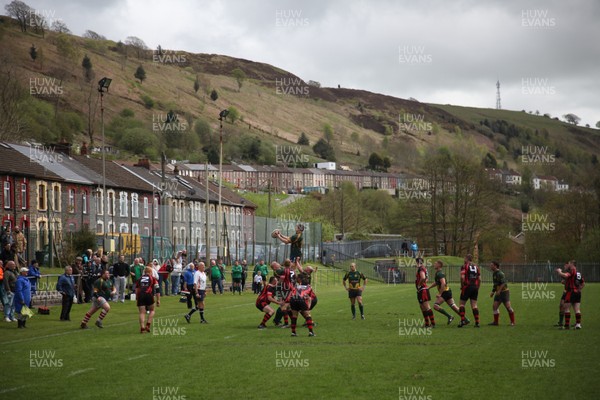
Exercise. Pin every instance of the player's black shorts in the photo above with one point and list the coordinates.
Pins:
(145, 299)
(503, 297)
(423, 296)
(352, 293)
(298, 304)
(201, 295)
(313, 303)
(469, 293)
(447, 295)
(573, 297)
(261, 306)
(237, 280)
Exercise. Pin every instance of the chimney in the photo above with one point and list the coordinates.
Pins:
(176, 170)
(63, 147)
(144, 163)
(84, 149)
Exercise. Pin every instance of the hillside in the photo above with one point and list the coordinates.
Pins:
(362, 122)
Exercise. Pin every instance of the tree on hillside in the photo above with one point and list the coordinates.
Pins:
(196, 85)
(93, 35)
(324, 150)
(572, 118)
(214, 95)
(140, 74)
(21, 12)
(38, 23)
(233, 115)
(66, 48)
(12, 96)
(303, 140)
(60, 27)
(137, 44)
(240, 77)
(88, 72)
(598, 124)
(327, 132)
(375, 161)
(33, 52)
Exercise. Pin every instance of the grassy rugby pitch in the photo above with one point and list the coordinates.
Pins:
(387, 356)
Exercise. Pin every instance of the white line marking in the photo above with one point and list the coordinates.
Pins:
(137, 357)
(80, 371)
(11, 389)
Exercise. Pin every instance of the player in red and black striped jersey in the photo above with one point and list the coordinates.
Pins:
(574, 283)
(469, 290)
(147, 288)
(285, 284)
(266, 297)
(300, 302)
(423, 295)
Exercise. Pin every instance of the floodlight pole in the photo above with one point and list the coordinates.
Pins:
(104, 83)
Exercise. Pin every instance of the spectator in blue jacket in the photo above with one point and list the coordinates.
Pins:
(22, 296)
(34, 275)
(66, 287)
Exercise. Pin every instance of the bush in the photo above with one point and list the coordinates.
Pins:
(148, 102)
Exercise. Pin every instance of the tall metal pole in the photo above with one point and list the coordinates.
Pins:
(104, 194)
(207, 205)
(220, 182)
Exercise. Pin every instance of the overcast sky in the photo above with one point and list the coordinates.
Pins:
(545, 53)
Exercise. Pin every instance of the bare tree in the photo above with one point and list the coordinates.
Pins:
(11, 97)
(572, 118)
(38, 23)
(21, 11)
(137, 44)
(60, 27)
(93, 35)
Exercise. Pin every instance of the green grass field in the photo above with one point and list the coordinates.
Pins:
(382, 357)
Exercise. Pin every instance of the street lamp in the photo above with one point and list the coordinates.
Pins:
(103, 85)
(222, 116)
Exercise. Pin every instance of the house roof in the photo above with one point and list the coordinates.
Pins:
(14, 162)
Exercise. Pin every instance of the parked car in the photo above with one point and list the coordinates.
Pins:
(376, 250)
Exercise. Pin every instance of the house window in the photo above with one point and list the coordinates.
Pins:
(56, 206)
(111, 203)
(134, 205)
(24, 196)
(7, 196)
(71, 200)
(176, 208)
(155, 208)
(146, 207)
(146, 231)
(84, 202)
(41, 196)
(135, 229)
(124, 228)
(123, 204)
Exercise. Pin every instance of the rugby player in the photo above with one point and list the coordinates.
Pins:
(470, 280)
(574, 283)
(103, 290)
(355, 289)
(444, 292)
(501, 294)
(266, 297)
(423, 295)
(147, 288)
(300, 302)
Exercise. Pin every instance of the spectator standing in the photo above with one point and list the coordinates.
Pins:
(20, 243)
(120, 274)
(215, 277)
(66, 287)
(34, 276)
(176, 274)
(10, 280)
(22, 296)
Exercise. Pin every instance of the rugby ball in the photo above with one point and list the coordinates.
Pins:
(275, 233)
